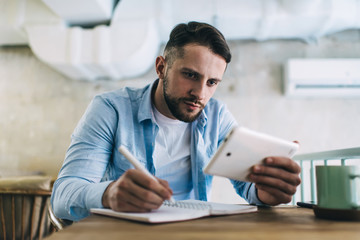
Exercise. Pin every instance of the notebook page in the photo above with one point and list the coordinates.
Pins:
(224, 209)
(180, 211)
(190, 204)
(214, 208)
(163, 214)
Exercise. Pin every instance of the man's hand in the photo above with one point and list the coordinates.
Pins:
(134, 191)
(276, 180)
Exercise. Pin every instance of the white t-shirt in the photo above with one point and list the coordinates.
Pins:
(172, 155)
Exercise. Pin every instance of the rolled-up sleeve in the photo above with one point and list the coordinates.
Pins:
(79, 187)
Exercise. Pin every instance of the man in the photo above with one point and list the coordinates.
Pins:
(173, 127)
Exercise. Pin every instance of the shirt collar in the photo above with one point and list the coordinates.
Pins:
(202, 119)
(145, 109)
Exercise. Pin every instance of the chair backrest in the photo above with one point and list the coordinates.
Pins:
(24, 214)
(307, 189)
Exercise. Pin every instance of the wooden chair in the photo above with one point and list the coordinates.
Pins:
(24, 214)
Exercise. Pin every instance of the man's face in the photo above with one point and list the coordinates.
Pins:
(191, 81)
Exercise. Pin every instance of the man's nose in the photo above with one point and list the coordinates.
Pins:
(199, 90)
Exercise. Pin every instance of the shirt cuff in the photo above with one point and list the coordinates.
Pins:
(95, 193)
(253, 196)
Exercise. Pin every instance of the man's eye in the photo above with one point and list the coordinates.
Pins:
(190, 75)
(212, 82)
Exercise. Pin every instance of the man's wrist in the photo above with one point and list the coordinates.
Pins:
(258, 197)
(105, 196)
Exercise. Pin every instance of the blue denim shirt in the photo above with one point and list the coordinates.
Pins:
(125, 117)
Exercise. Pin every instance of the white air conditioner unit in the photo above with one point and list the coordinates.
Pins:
(322, 77)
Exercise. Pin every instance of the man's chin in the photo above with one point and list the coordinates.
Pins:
(189, 116)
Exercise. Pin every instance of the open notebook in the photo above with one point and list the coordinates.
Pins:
(180, 211)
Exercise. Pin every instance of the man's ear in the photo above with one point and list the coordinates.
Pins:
(160, 67)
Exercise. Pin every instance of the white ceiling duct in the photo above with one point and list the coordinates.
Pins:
(270, 19)
(82, 12)
(16, 14)
(128, 46)
(121, 51)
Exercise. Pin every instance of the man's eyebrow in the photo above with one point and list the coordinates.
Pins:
(216, 79)
(190, 70)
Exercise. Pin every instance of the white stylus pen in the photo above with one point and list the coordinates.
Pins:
(127, 154)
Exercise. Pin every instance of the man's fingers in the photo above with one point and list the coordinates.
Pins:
(283, 162)
(125, 201)
(165, 184)
(149, 183)
(119, 199)
(274, 195)
(276, 180)
(275, 183)
(138, 191)
(288, 177)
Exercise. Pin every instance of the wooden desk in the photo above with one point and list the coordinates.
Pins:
(269, 223)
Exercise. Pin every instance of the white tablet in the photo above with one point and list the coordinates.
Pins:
(242, 149)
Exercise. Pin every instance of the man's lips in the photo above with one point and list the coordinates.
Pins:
(192, 104)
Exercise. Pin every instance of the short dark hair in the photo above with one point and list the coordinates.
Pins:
(199, 33)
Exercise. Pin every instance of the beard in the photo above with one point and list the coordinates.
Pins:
(173, 104)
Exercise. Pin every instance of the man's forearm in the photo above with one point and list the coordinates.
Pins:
(72, 197)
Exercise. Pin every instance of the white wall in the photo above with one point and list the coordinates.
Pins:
(39, 108)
